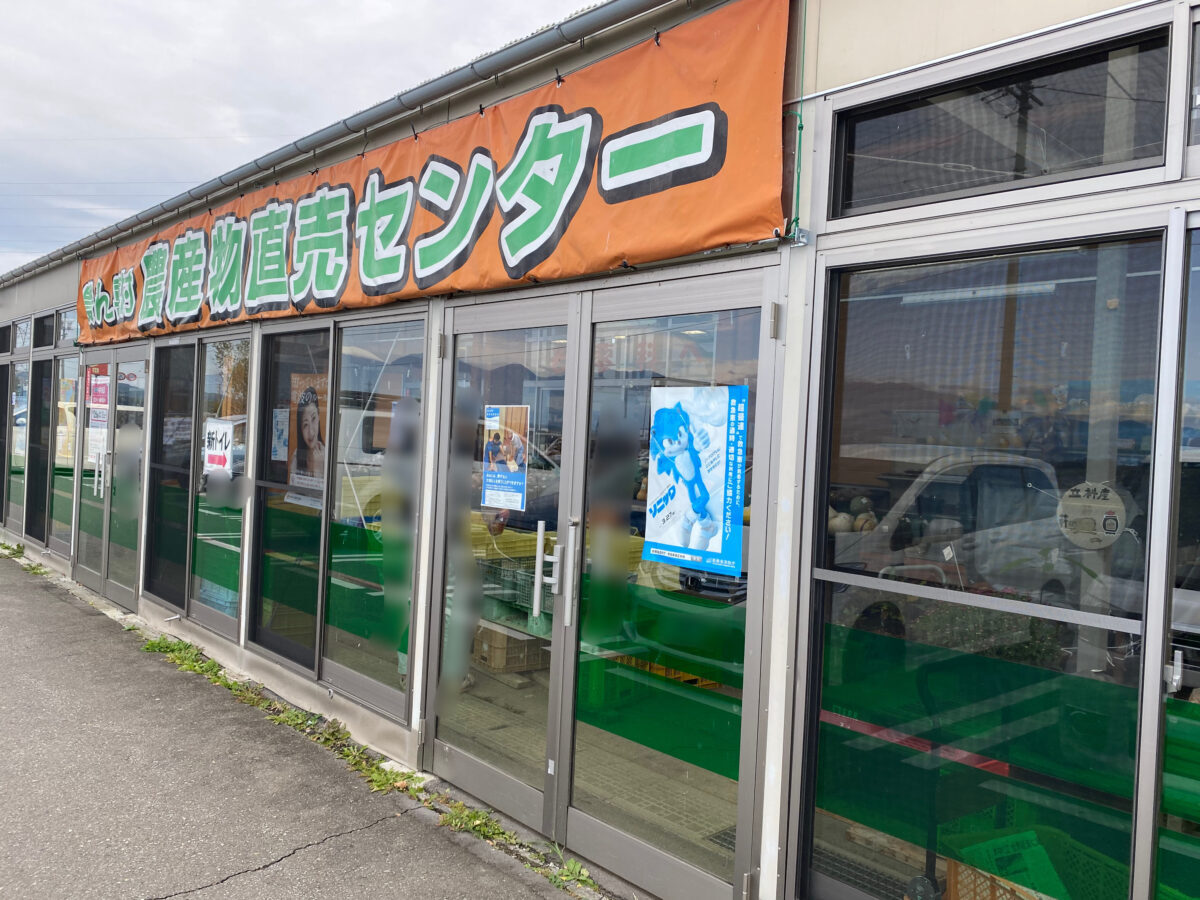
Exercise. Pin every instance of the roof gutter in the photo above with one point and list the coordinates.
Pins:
(548, 40)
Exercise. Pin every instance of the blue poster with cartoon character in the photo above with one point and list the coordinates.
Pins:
(696, 483)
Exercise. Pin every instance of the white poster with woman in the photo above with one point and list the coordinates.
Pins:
(306, 431)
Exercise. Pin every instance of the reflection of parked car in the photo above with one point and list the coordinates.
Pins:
(986, 522)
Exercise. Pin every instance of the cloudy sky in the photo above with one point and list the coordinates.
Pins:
(109, 108)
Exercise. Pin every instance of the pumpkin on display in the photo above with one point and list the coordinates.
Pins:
(841, 523)
(865, 521)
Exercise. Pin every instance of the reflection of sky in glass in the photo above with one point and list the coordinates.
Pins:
(940, 327)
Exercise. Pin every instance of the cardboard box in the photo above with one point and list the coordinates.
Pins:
(501, 649)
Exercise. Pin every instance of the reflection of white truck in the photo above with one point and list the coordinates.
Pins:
(966, 518)
(984, 521)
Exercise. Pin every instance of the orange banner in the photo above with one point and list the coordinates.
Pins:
(665, 149)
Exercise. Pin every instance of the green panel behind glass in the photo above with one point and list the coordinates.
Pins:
(1052, 755)
(216, 556)
(1179, 839)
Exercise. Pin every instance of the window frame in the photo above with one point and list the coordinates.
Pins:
(988, 62)
(918, 245)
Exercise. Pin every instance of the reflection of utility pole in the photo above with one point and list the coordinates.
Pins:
(1022, 92)
(1008, 341)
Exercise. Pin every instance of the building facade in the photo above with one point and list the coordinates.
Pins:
(749, 443)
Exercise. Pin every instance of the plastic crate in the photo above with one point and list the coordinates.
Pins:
(510, 581)
(965, 882)
(1086, 874)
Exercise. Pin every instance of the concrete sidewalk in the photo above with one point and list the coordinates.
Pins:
(123, 777)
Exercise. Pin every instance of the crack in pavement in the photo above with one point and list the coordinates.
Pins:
(279, 859)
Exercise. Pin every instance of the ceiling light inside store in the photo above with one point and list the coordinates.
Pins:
(987, 292)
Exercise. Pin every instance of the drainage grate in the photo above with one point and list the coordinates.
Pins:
(726, 838)
(854, 873)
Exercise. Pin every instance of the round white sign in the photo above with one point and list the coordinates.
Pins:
(1091, 515)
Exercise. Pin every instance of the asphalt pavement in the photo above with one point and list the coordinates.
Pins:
(123, 777)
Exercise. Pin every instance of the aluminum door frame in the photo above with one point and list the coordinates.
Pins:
(692, 290)
(57, 545)
(89, 577)
(529, 805)
(120, 594)
(267, 332)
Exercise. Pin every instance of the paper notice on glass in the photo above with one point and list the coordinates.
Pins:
(218, 445)
(505, 456)
(97, 391)
(280, 424)
(696, 483)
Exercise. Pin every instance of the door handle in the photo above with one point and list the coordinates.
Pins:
(568, 607)
(539, 565)
(1173, 675)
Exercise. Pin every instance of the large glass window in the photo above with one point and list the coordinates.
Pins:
(291, 498)
(19, 444)
(1097, 111)
(989, 440)
(62, 485)
(170, 473)
(372, 522)
(663, 598)
(992, 421)
(221, 491)
(22, 334)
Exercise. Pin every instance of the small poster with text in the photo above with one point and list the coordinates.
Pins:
(505, 452)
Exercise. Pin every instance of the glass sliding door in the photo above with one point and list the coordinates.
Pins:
(373, 511)
(221, 489)
(291, 492)
(170, 474)
(39, 449)
(600, 585)
(110, 497)
(981, 575)
(62, 478)
(18, 443)
(128, 417)
(93, 493)
(1178, 872)
(663, 597)
(503, 493)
